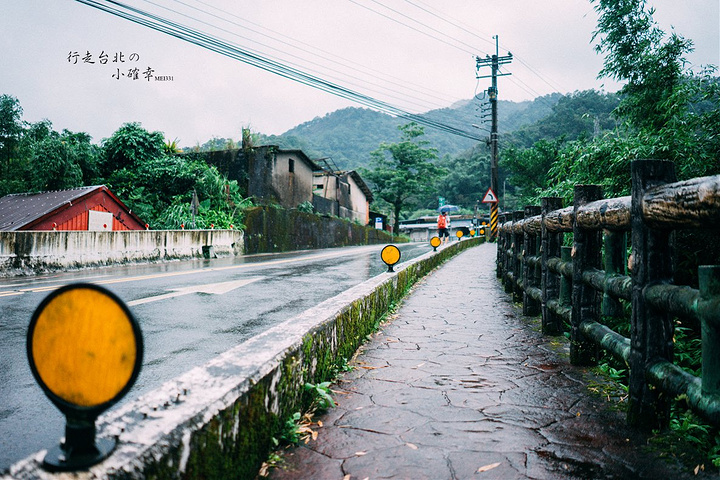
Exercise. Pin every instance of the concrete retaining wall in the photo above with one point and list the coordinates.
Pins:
(218, 420)
(37, 251)
(267, 230)
(277, 230)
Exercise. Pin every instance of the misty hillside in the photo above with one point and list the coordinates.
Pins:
(350, 134)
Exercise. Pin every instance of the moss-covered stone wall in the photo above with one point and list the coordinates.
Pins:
(269, 229)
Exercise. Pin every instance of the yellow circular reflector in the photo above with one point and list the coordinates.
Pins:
(390, 255)
(84, 346)
(435, 242)
(459, 233)
(482, 232)
(472, 233)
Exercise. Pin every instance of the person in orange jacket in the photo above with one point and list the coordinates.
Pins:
(443, 224)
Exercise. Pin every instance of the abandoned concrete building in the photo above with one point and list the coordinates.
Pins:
(290, 178)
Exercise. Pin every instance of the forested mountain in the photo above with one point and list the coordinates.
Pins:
(580, 115)
(350, 134)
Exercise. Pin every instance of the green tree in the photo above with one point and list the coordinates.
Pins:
(636, 51)
(53, 165)
(129, 147)
(530, 167)
(11, 127)
(220, 202)
(38, 158)
(152, 185)
(214, 144)
(403, 171)
(665, 113)
(13, 163)
(578, 116)
(57, 161)
(468, 177)
(84, 154)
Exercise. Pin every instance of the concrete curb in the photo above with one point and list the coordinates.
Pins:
(218, 420)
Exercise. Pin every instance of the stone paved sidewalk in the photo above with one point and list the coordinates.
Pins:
(459, 386)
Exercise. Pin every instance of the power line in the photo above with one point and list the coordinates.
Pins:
(336, 59)
(410, 26)
(541, 77)
(405, 97)
(472, 51)
(428, 10)
(462, 26)
(433, 94)
(522, 85)
(236, 52)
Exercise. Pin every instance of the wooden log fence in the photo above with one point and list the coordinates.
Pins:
(578, 285)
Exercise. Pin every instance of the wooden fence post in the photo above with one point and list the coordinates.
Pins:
(509, 253)
(501, 249)
(615, 260)
(709, 277)
(531, 307)
(550, 284)
(651, 336)
(536, 270)
(585, 299)
(565, 283)
(517, 290)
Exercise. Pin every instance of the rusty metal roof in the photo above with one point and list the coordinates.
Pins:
(19, 209)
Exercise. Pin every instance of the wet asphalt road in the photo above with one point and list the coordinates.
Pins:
(181, 328)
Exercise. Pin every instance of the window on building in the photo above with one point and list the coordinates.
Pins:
(291, 165)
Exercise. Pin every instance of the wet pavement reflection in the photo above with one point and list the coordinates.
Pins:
(460, 385)
(179, 332)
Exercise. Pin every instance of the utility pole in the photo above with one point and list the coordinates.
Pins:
(494, 63)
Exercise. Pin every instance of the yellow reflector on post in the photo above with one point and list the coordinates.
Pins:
(85, 350)
(390, 255)
(84, 347)
(435, 242)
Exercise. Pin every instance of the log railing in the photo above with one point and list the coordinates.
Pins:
(579, 284)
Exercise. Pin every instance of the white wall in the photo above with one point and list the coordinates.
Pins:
(36, 251)
(360, 208)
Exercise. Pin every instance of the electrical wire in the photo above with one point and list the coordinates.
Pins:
(373, 74)
(522, 85)
(422, 104)
(472, 50)
(428, 10)
(410, 26)
(211, 43)
(340, 60)
(462, 26)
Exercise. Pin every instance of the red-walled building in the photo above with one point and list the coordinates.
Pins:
(86, 208)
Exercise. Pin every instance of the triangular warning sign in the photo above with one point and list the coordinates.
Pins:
(490, 197)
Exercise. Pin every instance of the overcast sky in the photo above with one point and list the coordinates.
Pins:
(413, 54)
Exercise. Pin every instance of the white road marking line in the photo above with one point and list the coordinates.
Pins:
(210, 288)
